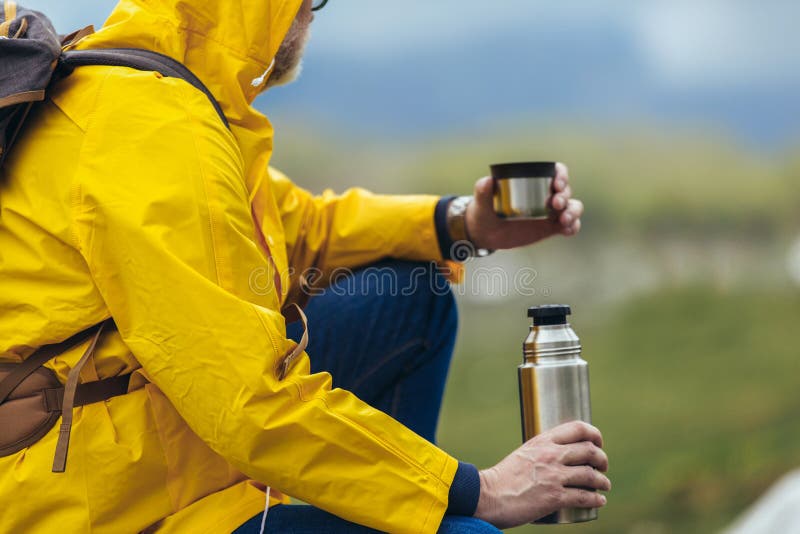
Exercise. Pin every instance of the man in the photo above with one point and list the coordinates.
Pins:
(128, 198)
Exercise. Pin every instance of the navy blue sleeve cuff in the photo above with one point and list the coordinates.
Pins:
(465, 491)
(442, 234)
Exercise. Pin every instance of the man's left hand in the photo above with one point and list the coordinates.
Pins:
(489, 231)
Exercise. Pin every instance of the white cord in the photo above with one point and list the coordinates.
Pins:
(264, 516)
(258, 82)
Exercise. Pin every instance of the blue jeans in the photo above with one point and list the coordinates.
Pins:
(386, 333)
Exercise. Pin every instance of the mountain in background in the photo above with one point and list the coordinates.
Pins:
(423, 69)
(596, 76)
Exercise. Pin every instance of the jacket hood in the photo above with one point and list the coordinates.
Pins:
(227, 43)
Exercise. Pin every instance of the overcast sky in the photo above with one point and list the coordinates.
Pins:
(687, 42)
(731, 64)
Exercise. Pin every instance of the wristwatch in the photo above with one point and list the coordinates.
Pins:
(463, 246)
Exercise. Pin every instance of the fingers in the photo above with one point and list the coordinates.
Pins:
(586, 453)
(570, 219)
(575, 432)
(484, 191)
(561, 180)
(574, 229)
(580, 498)
(562, 192)
(585, 477)
(561, 199)
(572, 213)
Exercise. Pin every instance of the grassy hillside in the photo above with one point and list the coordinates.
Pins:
(695, 390)
(660, 180)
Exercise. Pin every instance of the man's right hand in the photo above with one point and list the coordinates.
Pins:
(548, 473)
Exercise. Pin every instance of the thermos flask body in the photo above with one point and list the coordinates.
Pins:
(554, 386)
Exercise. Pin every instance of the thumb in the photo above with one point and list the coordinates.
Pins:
(484, 193)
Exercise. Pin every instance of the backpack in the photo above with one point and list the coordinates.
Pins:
(33, 58)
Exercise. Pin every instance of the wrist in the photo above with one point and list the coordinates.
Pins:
(472, 227)
(456, 219)
(486, 504)
(462, 228)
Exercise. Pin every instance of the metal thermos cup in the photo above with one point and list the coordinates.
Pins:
(554, 385)
(523, 190)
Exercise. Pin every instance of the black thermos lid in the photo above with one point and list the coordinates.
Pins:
(527, 169)
(549, 314)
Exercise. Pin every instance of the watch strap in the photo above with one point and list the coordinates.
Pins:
(462, 247)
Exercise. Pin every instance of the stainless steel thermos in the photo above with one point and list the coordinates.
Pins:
(554, 385)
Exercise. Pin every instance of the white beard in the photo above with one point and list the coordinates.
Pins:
(287, 77)
(289, 59)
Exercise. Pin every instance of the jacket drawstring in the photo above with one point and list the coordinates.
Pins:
(258, 82)
(264, 515)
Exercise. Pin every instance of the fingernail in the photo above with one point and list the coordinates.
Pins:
(603, 499)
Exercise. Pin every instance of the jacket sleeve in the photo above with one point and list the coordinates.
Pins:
(355, 228)
(162, 219)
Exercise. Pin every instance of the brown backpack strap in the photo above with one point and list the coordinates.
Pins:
(71, 395)
(43, 355)
(293, 313)
(88, 393)
(73, 38)
(62, 445)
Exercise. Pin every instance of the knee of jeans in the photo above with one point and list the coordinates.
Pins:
(431, 291)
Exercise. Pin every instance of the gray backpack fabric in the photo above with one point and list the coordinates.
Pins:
(32, 59)
(29, 52)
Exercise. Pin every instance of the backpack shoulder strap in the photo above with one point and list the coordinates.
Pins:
(134, 58)
(40, 357)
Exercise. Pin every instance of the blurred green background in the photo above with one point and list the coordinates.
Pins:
(681, 125)
(684, 291)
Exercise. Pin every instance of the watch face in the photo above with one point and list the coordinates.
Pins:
(459, 206)
(463, 202)
(457, 227)
(456, 220)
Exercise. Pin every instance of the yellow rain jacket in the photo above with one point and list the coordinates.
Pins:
(127, 197)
